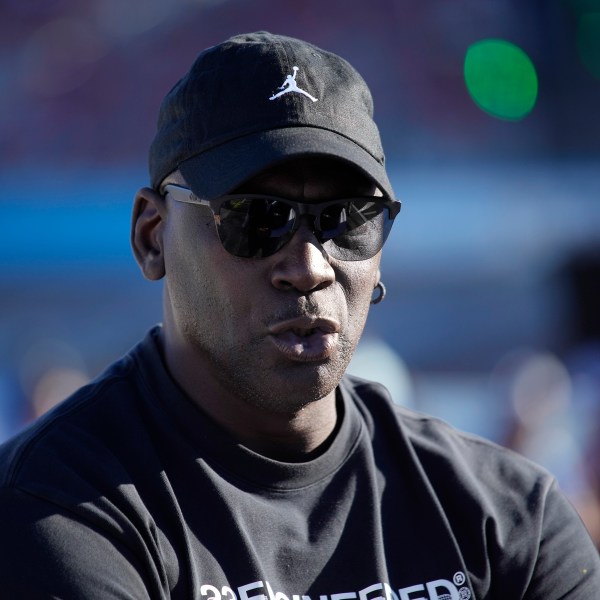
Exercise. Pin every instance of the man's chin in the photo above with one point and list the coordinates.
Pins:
(292, 390)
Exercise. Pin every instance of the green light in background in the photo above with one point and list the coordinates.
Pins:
(501, 79)
(588, 42)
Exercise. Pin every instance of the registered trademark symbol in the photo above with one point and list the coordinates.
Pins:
(459, 578)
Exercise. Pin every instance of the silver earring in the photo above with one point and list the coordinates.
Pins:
(381, 294)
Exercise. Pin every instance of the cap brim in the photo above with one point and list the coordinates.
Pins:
(221, 169)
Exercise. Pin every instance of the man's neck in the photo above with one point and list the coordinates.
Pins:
(286, 436)
(291, 438)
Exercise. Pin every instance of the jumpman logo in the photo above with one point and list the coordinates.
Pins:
(289, 85)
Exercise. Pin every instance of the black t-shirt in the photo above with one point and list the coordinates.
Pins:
(127, 490)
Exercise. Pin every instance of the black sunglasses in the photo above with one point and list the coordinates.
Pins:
(256, 226)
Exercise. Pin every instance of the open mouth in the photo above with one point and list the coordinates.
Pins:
(304, 332)
(306, 340)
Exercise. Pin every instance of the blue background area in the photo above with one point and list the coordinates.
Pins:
(71, 221)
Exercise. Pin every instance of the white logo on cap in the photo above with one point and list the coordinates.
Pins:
(289, 85)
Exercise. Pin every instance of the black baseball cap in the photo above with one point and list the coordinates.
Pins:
(256, 100)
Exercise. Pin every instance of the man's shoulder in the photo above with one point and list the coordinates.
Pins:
(72, 440)
(444, 453)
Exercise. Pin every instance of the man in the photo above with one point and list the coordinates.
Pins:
(228, 457)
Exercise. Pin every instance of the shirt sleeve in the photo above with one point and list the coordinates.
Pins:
(567, 565)
(47, 553)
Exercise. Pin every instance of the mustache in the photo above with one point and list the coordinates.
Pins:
(303, 306)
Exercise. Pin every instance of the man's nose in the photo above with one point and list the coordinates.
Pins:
(302, 264)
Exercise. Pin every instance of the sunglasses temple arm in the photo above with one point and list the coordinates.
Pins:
(181, 194)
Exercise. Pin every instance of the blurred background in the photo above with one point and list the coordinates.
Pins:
(490, 117)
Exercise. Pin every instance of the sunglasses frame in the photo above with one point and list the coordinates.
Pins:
(314, 209)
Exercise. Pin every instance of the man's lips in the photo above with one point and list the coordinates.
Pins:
(305, 339)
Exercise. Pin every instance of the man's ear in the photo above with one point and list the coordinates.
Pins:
(147, 222)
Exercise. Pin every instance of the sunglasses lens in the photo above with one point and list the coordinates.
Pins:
(258, 227)
(354, 230)
(255, 228)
